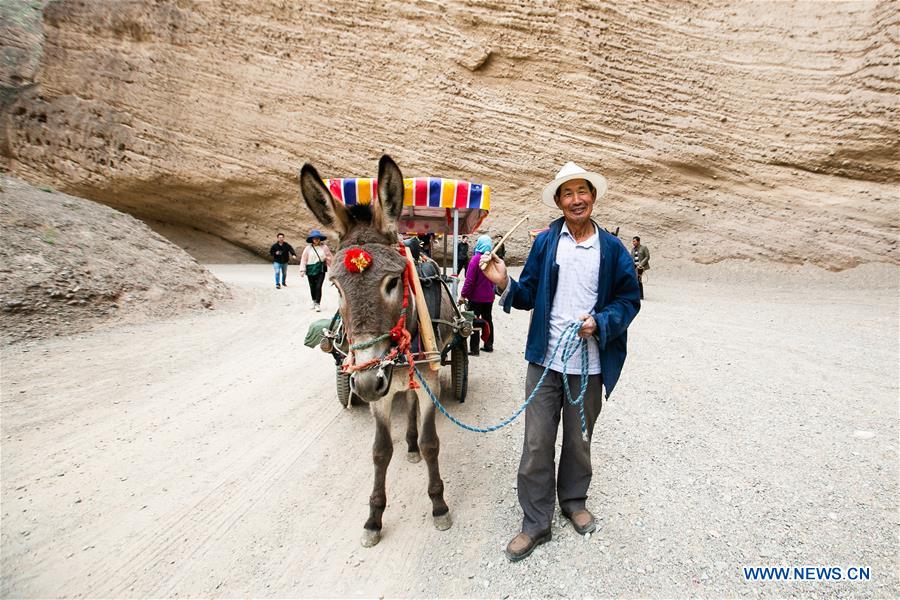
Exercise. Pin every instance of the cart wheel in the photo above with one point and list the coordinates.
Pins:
(345, 396)
(459, 372)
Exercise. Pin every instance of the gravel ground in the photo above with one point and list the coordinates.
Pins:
(755, 424)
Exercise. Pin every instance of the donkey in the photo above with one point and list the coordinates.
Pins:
(372, 294)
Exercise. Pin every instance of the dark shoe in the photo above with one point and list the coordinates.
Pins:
(488, 348)
(474, 352)
(284, 285)
(277, 286)
(582, 521)
(523, 544)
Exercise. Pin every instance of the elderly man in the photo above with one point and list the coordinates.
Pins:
(576, 272)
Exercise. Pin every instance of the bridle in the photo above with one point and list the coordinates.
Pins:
(401, 339)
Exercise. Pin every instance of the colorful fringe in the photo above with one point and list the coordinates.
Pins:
(432, 192)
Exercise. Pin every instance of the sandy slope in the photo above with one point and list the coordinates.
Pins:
(68, 264)
(756, 424)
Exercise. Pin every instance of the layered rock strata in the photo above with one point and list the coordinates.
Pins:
(763, 130)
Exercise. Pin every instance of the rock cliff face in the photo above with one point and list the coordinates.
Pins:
(766, 131)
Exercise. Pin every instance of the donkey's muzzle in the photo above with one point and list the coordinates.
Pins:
(372, 384)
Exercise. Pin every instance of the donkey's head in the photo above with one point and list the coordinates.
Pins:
(371, 297)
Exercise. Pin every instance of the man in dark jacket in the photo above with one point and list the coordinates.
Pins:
(415, 247)
(462, 254)
(576, 272)
(426, 242)
(641, 260)
(501, 250)
(281, 253)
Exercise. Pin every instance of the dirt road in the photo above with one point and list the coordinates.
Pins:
(756, 424)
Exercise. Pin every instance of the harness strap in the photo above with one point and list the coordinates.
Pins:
(398, 334)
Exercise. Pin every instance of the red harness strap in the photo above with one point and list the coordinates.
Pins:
(399, 333)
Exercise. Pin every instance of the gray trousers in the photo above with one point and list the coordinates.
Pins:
(537, 469)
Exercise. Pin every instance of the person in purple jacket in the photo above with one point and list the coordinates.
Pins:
(478, 291)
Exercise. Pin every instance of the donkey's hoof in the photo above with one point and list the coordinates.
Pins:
(443, 522)
(413, 457)
(370, 538)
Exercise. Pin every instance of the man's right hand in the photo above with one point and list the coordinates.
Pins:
(494, 269)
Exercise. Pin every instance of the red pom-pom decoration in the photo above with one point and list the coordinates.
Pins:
(357, 260)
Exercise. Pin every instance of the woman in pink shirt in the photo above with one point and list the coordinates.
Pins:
(479, 292)
(314, 263)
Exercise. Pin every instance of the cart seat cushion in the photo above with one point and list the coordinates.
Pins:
(429, 277)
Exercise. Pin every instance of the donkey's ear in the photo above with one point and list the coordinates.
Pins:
(330, 212)
(390, 195)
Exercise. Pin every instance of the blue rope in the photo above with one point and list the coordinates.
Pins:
(570, 344)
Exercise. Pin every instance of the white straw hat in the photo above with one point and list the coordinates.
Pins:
(572, 171)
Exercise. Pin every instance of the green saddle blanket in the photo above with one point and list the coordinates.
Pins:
(316, 332)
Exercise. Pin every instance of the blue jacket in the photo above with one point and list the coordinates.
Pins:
(618, 299)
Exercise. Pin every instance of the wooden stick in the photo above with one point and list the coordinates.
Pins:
(426, 330)
(509, 233)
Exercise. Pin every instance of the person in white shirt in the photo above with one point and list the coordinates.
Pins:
(576, 272)
(314, 264)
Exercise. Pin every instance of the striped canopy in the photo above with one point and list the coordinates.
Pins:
(428, 202)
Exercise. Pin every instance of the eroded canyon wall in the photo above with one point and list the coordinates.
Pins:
(763, 130)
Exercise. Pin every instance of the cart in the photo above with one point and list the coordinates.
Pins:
(431, 205)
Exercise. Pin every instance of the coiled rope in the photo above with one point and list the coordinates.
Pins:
(570, 343)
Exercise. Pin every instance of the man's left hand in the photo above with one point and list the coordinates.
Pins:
(588, 327)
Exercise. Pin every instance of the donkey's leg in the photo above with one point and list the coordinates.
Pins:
(430, 446)
(412, 427)
(382, 450)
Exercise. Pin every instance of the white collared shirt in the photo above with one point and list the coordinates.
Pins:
(576, 294)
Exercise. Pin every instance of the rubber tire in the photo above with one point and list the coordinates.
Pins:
(459, 372)
(345, 397)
